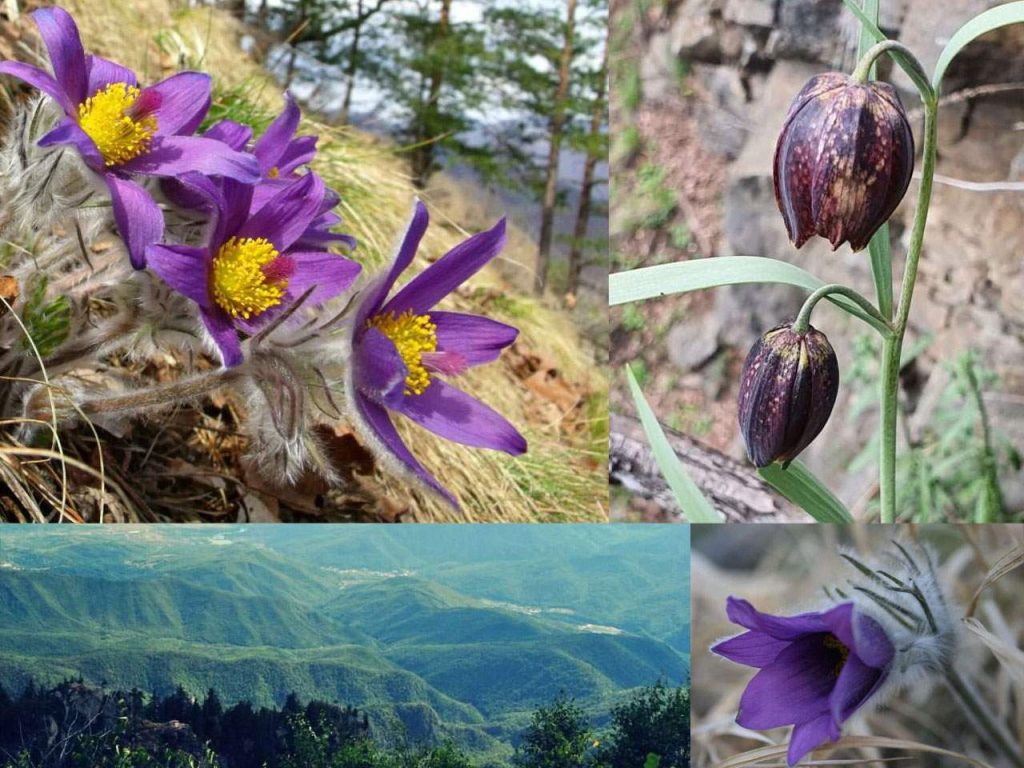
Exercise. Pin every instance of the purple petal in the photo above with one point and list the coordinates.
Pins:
(237, 204)
(299, 152)
(44, 81)
(317, 239)
(449, 272)
(377, 419)
(67, 58)
(477, 339)
(177, 155)
(806, 736)
(138, 217)
(792, 689)
(284, 218)
(857, 681)
(185, 268)
(870, 643)
(379, 369)
(103, 72)
(69, 132)
(780, 627)
(754, 649)
(456, 416)
(331, 274)
(182, 102)
(373, 294)
(224, 335)
(235, 135)
(271, 145)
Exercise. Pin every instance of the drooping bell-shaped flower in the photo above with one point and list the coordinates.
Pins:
(815, 670)
(843, 160)
(788, 387)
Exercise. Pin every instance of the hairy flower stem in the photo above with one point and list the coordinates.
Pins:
(983, 719)
(877, 321)
(154, 397)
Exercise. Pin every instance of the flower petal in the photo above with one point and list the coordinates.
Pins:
(377, 420)
(272, 144)
(103, 72)
(477, 339)
(330, 273)
(449, 272)
(224, 335)
(183, 267)
(44, 81)
(182, 103)
(138, 218)
(235, 135)
(284, 217)
(857, 681)
(806, 736)
(792, 689)
(457, 416)
(379, 370)
(69, 132)
(176, 155)
(373, 295)
(780, 627)
(64, 45)
(754, 649)
(298, 152)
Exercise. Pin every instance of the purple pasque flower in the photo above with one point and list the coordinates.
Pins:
(121, 129)
(816, 669)
(252, 267)
(279, 151)
(401, 345)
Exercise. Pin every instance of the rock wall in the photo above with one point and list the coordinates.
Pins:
(748, 58)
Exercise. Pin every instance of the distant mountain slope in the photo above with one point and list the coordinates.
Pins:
(440, 631)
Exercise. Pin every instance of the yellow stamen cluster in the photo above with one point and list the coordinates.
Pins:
(833, 643)
(413, 335)
(239, 284)
(274, 172)
(105, 118)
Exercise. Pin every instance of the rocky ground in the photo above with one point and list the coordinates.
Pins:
(702, 89)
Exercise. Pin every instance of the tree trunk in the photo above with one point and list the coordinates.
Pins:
(733, 488)
(353, 60)
(587, 186)
(547, 220)
(423, 155)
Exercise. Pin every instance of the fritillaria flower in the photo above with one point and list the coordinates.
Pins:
(815, 669)
(402, 346)
(251, 269)
(121, 129)
(789, 384)
(843, 160)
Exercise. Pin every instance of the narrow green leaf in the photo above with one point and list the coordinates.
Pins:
(866, 39)
(694, 504)
(698, 274)
(1000, 16)
(798, 484)
(881, 269)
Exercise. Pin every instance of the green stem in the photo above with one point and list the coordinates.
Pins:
(980, 715)
(803, 320)
(893, 48)
(991, 502)
(893, 346)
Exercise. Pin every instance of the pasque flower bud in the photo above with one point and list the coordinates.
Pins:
(789, 384)
(843, 160)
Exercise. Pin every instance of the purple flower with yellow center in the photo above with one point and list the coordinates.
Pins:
(252, 267)
(121, 129)
(401, 345)
(816, 669)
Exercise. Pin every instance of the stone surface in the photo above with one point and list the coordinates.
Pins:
(692, 344)
(809, 30)
(753, 13)
(722, 109)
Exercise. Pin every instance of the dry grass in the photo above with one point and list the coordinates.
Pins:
(548, 385)
(921, 726)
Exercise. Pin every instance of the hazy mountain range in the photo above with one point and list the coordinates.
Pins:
(454, 630)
